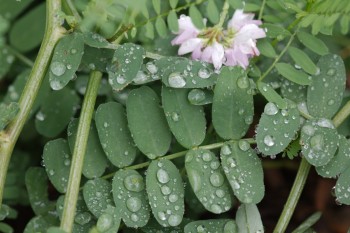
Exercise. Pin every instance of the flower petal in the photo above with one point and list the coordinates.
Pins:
(190, 45)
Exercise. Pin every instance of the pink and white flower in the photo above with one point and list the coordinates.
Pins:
(231, 47)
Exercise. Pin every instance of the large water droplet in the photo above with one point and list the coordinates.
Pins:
(201, 229)
(121, 79)
(196, 96)
(82, 218)
(234, 184)
(308, 130)
(317, 142)
(140, 78)
(163, 176)
(231, 162)
(243, 82)
(176, 80)
(331, 72)
(206, 157)
(174, 220)
(204, 73)
(175, 116)
(134, 217)
(173, 197)
(243, 145)
(216, 179)
(165, 190)
(104, 222)
(216, 209)
(151, 67)
(161, 215)
(270, 109)
(220, 193)
(325, 123)
(133, 204)
(134, 183)
(57, 68)
(40, 116)
(225, 150)
(269, 140)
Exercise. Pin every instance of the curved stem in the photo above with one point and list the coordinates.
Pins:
(87, 111)
(262, 10)
(301, 177)
(8, 138)
(293, 198)
(278, 57)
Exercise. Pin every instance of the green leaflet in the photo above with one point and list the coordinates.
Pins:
(147, 122)
(37, 186)
(196, 17)
(212, 226)
(173, 21)
(292, 74)
(28, 31)
(179, 72)
(95, 40)
(319, 140)
(330, 82)
(130, 197)
(173, 3)
(161, 27)
(208, 181)
(266, 49)
(233, 107)
(277, 128)
(275, 31)
(4, 227)
(200, 96)
(66, 59)
(313, 43)
(37, 224)
(294, 92)
(11, 9)
(342, 188)
(186, 121)
(114, 134)
(308, 223)
(339, 162)
(149, 30)
(95, 161)
(212, 12)
(164, 185)
(156, 6)
(57, 159)
(303, 60)
(271, 95)
(7, 113)
(243, 170)
(125, 64)
(6, 60)
(153, 226)
(56, 112)
(97, 196)
(248, 219)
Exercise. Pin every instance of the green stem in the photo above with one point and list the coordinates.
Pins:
(72, 10)
(87, 111)
(301, 177)
(178, 155)
(278, 57)
(20, 56)
(223, 14)
(293, 198)
(8, 138)
(262, 10)
(342, 115)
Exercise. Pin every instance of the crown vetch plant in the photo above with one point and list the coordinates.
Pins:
(138, 136)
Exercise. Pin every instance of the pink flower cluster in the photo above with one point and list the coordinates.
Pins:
(230, 47)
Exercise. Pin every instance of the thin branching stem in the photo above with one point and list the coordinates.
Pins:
(262, 8)
(20, 56)
(73, 10)
(223, 14)
(277, 59)
(9, 136)
(80, 145)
